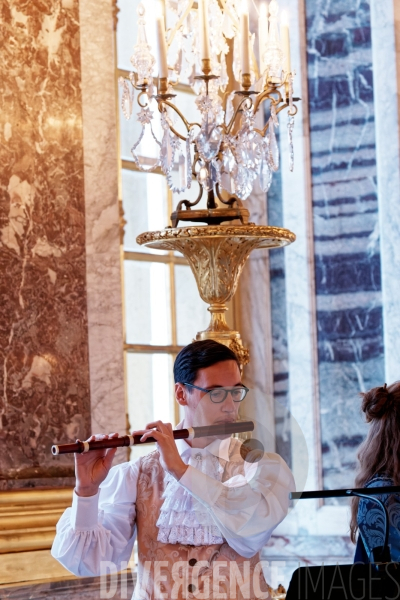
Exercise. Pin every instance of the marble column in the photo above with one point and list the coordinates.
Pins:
(103, 259)
(386, 83)
(254, 323)
(44, 372)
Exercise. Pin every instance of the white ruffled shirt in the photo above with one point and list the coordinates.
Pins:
(198, 509)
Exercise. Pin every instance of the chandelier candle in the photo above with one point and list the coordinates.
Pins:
(224, 151)
(244, 39)
(203, 29)
(161, 48)
(262, 33)
(285, 41)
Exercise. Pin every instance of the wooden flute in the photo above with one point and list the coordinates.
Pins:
(132, 440)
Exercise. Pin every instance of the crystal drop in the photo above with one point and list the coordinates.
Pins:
(290, 127)
(249, 148)
(228, 160)
(243, 181)
(228, 170)
(208, 141)
(274, 116)
(167, 152)
(204, 178)
(126, 99)
(272, 147)
(265, 175)
(182, 171)
(178, 64)
(146, 145)
(142, 60)
(214, 170)
(209, 175)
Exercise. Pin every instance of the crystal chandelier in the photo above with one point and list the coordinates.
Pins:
(210, 46)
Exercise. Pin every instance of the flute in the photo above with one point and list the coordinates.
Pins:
(132, 440)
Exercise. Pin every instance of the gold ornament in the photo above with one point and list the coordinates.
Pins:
(217, 254)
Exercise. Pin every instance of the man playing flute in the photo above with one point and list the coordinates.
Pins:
(201, 511)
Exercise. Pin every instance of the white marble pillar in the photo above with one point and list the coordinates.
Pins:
(388, 173)
(308, 517)
(299, 258)
(103, 261)
(254, 323)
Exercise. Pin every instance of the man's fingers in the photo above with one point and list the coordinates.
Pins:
(158, 435)
(109, 457)
(139, 432)
(160, 426)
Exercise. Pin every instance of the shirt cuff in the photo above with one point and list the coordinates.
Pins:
(84, 512)
(206, 489)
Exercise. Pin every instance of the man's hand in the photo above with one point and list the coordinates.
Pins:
(169, 456)
(91, 468)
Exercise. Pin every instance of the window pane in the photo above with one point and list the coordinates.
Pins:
(147, 303)
(145, 206)
(191, 312)
(150, 392)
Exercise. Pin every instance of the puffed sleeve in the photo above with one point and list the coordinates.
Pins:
(245, 508)
(101, 527)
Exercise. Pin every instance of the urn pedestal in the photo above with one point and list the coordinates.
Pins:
(217, 255)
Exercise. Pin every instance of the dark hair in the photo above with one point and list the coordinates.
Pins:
(200, 355)
(380, 452)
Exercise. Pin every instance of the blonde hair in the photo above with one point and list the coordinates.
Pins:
(379, 454)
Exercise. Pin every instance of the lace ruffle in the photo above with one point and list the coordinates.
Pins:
(200, 536)
(183, 519)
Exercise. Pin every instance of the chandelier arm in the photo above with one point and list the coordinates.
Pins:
(230, 200)
(188, 125)
(267, 94)
(233, 119)
(179, 23)
(139, 97)
(187, 203)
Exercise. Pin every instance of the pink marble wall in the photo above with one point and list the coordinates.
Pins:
(44, 375)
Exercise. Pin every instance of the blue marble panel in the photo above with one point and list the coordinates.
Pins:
(345, 215)
(279, 326)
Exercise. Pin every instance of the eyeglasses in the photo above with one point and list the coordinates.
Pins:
(218, 395)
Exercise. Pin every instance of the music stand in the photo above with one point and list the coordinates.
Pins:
(379, 580)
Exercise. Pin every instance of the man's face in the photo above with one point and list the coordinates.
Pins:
(199, 409)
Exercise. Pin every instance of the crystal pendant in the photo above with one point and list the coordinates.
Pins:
(248, 148)
(292, 108)
(142, 60)
(127, 98)
(290, 127)
(209, 175)
(167, 152)
(243, 182)
(208, 140)
(142, 145)
(228, 169)
(179, 176)
(272, 147)
(265, 176)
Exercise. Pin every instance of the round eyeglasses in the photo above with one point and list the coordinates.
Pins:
(218, 395)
